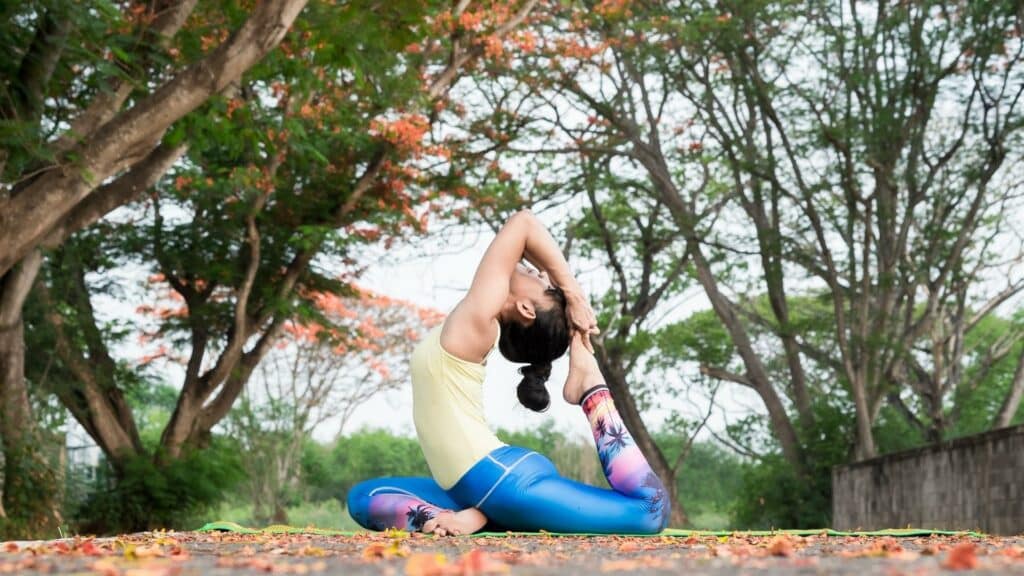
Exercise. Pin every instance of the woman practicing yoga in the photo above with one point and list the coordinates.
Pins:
(478, 481)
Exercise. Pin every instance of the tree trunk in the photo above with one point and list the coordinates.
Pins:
(280, 514)
(91, 395)
(657, 168)
(758, 376)
(28, 491)
(626, 405)
(865, 442)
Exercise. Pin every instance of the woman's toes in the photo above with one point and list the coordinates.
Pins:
(430, 525)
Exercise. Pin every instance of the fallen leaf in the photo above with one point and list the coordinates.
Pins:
(629, 546)
(10, 547)
(88, 547)
(476, 561)
(963, 556)
(781, 546)
(379, 550)
(426, 565)
(141, 552)
(1015, 552)
(105, 567)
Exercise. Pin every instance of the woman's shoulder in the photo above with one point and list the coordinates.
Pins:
(468, 339)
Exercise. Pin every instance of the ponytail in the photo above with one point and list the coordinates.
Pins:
(531, 390)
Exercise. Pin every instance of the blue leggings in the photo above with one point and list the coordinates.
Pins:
(518, 489)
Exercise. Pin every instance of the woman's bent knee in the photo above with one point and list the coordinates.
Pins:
(358, 502)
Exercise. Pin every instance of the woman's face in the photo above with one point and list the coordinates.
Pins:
(528, 283)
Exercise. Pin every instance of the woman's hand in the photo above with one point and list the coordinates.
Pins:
(581, 317)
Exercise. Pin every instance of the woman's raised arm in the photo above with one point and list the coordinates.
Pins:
(523, 234)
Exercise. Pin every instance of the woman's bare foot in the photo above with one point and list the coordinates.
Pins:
(584, 373)
(449, 523)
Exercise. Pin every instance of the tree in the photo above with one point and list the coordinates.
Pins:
(54, 184)
(322, 156)
(903, 236)
(105, 140)
(599, 86)
(318, 373)
(904, 233)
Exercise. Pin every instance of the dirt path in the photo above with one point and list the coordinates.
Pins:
(182, 553)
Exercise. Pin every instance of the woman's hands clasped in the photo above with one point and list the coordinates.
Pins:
(581, 318)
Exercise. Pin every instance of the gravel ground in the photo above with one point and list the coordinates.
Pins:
(181, 553)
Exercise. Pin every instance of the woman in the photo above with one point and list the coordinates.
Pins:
(532, 317)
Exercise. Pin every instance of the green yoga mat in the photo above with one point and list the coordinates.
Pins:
(673, 532)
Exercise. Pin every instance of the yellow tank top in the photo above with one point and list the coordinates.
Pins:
(448, 410)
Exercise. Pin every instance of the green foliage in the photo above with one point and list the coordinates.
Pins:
(544, 440)
(773, 496)
(331, 472)
(894, 433)
(330, 514)
(700, 337)
(574, 458)
(709, 480)
(146, 495)
(31, 486)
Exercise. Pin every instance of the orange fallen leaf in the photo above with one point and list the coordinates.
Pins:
(88, 547)
(60, 548)
(152, 551)
(963, 556)
(884, 547)
(105, 567)
(781, 546)
(378, 550)
(426, 565)
(476, 561)
(629, 546)
(10, 547)
(1015, 552)
(905, 555)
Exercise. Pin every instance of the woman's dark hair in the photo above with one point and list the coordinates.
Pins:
(538, 344)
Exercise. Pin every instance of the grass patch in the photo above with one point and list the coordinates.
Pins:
(710, 520)
(329, 514)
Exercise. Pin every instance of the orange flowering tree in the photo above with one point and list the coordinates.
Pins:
(325, 151)
(320, 373)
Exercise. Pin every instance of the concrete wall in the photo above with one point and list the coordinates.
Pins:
(973, 483)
